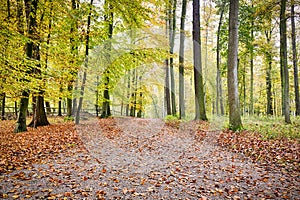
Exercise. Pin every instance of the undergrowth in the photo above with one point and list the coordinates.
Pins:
(273, 127)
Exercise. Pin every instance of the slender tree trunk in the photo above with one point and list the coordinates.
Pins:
(48, 108)
(283, 64)
(295, 59)
(109, 18)
(128, 94)
(86, 63)
(133, 94)
(181, 61)
(244, 90)
(198, 76)
(3, 106)
(268, 75)
(167, 88)
(59, 107)
(97, 98)
(219, 80)
(74, 51)
(167, 69)
(74, 101)
(251, 65)
(172, 19)
(235, 121)
(140, 100)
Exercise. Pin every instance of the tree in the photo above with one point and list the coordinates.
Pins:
(86, 63)
(71, 106)
(198, 76)
(39, 114)
(295, 60)
(109, 18)
(31, 15)
(235, 121)
(181, 60)
(219, 100)
(172, 27)
(283, 64)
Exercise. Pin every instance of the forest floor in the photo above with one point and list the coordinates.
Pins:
(128, 158)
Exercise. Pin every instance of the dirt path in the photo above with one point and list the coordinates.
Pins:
(145, 159)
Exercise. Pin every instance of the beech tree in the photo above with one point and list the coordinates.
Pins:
(198, 76)
(235, 122)
(283, 63)
(181, 60)
(31, 15)
(295, 59)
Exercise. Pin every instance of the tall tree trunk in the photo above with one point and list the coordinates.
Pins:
(219, 80)
(283, 64)
(3, 106)
(133, 94)
(167, 77)
(295, 59)
(172, 19)
(251, 64)
(198, 77)
(181, 61)
(235, 121)
(140, 99)
(167, 88)
(109, 18)
(74, 101)
(97, 97)
(128, 94)
(86, 63)
(30, 10)
(268, 74)
(74, 51)
(59, 107)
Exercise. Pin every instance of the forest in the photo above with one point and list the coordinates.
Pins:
(148, 59)
(86, 83)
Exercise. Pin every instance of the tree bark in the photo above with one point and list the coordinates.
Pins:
(167, 77)
(74, 51)
(198, 77)
(270, 110)
(133, 94)
(235, 121)
(30, 11)
(39, 113)
(181, 61)
(167, 88)
(219, 100)
(128, 94)
(59, 107)
(3, 107)
(251, 111)
(295, 59)
(86, 64)
(283, 63)
(172, 19)
(106, 104)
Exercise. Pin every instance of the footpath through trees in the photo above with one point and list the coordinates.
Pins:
(128, 158)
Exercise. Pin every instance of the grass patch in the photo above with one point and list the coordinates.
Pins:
(273, 127)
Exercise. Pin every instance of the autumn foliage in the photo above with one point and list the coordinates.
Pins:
(270, 152)
(22, 149)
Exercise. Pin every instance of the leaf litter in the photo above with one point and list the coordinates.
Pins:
(128, 158)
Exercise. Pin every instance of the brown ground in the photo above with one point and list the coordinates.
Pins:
(126, 158)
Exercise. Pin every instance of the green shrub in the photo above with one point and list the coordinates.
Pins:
(67, 118)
